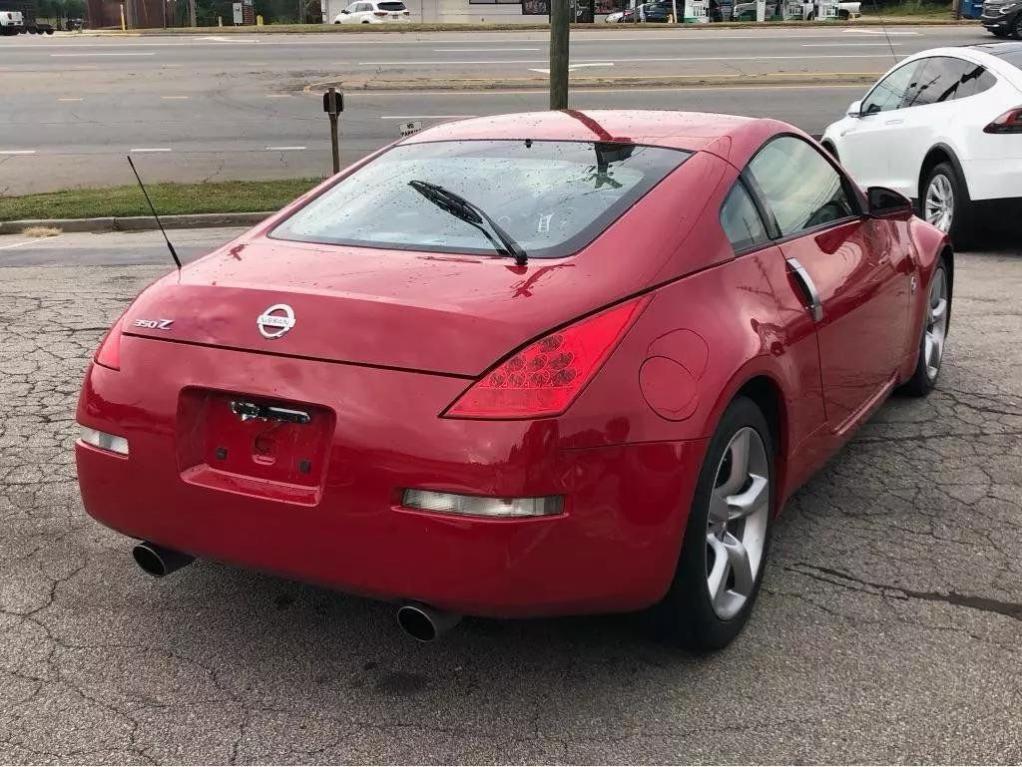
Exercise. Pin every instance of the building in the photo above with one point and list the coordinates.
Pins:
(463, 11)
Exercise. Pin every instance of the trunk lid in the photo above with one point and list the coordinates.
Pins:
(428, 312)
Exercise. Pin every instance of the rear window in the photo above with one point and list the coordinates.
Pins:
(552, 197)
(391, 6)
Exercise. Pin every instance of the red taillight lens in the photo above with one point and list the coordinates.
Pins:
(109, 352)
(545, 377)
(1009, 122)
(379, 13)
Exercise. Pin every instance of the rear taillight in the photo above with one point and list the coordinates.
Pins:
(547, 375)
(109, 352)
(1009, 122)
(379, 13)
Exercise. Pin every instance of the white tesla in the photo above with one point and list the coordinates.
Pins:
(943, 127)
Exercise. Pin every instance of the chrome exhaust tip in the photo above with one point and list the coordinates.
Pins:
(158, 561)
(425, 624)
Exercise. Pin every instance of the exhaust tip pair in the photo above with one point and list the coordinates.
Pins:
(421, 622)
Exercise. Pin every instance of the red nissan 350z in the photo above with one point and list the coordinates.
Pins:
(537, 364)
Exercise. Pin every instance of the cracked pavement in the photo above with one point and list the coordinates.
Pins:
(888, 629)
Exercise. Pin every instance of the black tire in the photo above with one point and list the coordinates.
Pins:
(962, 221)
(999, 32)
(924, 378)
(686, 615)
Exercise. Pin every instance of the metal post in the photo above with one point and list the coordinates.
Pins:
(191, 14)
(334, 145)
(559, 29)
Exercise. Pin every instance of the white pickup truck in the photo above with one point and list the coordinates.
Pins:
(11, 22)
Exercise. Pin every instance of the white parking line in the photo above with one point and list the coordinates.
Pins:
(90, 55)
(17, 151)
(175, 98)
(847, 45)
(79, 98)
(476, 62)
(144, 150)
(278, 95)
(16, 245)
(481, 50)
(424, 117)
(285, 148)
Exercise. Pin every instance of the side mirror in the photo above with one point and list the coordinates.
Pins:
(886, 203)
(855, 109)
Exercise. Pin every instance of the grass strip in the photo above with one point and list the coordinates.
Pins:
(169, 199)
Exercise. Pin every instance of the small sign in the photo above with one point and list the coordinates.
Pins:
(333, 102)
(239, 14)
(407, 129)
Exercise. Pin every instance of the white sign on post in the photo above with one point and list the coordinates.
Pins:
(239, 16)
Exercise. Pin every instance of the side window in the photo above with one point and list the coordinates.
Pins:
(934, 82)
(889, 92)
(741, 220)
(975, 80)
(801, 188)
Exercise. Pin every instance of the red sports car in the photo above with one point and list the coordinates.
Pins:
(537, 364)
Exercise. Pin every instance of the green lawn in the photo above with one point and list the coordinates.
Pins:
(215, 197)
(909, 9)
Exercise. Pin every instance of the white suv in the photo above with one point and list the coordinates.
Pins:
(943, 127)
(373, 12)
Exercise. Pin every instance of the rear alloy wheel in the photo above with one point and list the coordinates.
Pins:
(727, 535)
(931, 347)
(945, 203)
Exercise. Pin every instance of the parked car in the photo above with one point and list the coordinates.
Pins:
(484, 374)
(11, 22)
(943, 127)
(656, 13)
(1003, 18)
(613, 18)
(847, 9)
(373, 12)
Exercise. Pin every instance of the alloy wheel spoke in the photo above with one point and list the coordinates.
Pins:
(750, 500)
(719, 511)
(930, 350)
(717, 579)
(738, 559)
(739, 473)
(937, 311)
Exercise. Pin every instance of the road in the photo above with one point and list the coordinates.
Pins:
(887, 631)
(236, 107)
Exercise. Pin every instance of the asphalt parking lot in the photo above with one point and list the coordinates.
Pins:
(889, 628)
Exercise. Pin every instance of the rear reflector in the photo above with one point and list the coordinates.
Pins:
(109, 352)
(544, 378)
(479, 506)
(104, 441)
(1009, 122)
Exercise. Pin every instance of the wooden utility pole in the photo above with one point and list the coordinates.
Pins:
(191, 14)
(560, 13)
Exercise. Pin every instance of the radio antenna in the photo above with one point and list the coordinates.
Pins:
(173, 253)
(887, 35)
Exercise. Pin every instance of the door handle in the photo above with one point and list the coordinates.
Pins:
(805, 282)
(897, 121)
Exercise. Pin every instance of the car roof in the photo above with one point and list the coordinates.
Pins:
(693, 131)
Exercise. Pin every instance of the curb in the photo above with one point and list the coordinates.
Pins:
(136, 223)
(773, 80)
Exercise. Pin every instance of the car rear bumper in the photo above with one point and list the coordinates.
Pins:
(613, 548)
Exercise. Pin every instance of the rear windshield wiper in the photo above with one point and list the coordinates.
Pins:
(472, 214)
